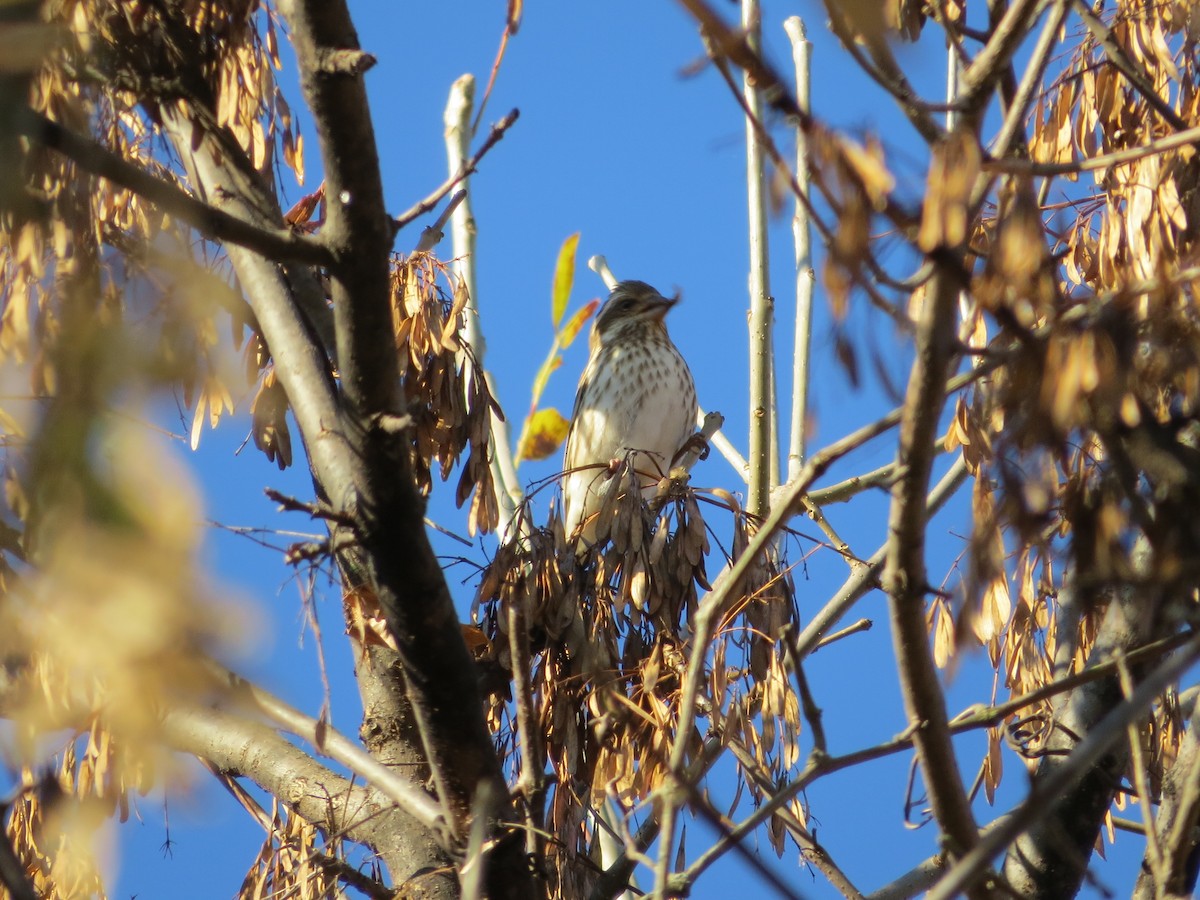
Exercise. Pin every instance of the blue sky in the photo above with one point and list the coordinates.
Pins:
(648, 165)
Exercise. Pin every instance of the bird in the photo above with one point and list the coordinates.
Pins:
(636, 394)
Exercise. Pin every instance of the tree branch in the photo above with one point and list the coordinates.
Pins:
(215, 224)
(466, 169)
(394, 558)
(1047, 793)
(905, 578)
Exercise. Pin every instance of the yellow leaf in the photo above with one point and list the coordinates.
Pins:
(575, 324)
(544, 433)
(564, 277)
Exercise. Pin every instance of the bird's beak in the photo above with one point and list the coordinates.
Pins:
(662, 306)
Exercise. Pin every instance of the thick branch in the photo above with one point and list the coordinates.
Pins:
(393, 556)
(905, 576)
(241, 747)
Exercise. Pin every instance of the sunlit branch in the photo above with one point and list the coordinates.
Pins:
(805, 276)
(1043, 796)
(883, 477)
(457, 133)
(762, 430)
(329, 742)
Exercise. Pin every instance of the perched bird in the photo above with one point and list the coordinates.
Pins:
(636, 394)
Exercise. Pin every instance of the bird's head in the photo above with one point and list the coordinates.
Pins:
(631, 305)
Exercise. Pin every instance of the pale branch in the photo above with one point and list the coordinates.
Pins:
(431, 235)
(1126, 66)
(467, 168)
(762, 443)
(883, 477)
(1045, 794)
(329, 742)
(279, 244)
(1179, 811)
(241, 747)
(802, 238)
(779, 97)
(857, 628)
(725, 447)
(456, 120)
(1141, 780)
(599, 265)
(905, 578)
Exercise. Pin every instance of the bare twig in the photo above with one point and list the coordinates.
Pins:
(761, 429)
(857, 628)
(883, 477)
(1141, 783)
(468, 168)
(802, 236)
(866, 576)
(431, 235)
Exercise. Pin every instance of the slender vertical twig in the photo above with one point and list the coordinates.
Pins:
(457, 120)
(1141, 781)
(802, 235)
(761, 312)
